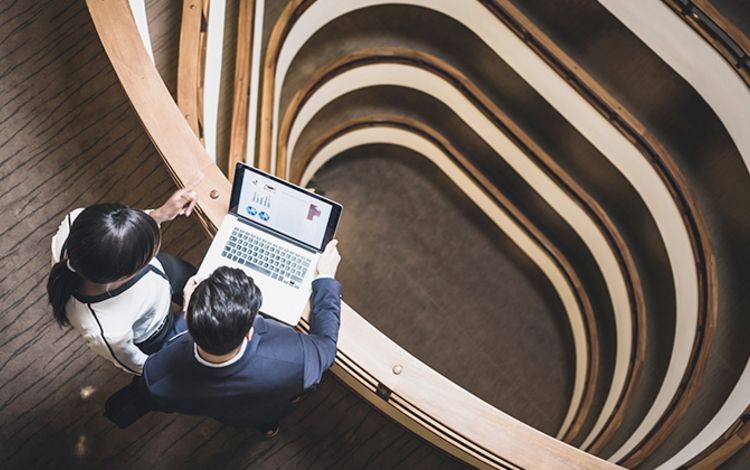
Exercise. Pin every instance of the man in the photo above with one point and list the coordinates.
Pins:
(236, 366)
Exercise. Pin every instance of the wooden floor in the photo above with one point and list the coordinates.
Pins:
(68, 138)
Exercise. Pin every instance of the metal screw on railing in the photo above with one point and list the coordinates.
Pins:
(397, 369)
(214, 194)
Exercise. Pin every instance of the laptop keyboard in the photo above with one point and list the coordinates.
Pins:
(266, 257)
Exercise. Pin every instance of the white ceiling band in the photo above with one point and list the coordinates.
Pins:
(252, 118)
(592, 125)
(727, 94)
(212, 73)
(424, 147)
(427, 82)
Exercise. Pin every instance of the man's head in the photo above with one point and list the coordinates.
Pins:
(222, 310)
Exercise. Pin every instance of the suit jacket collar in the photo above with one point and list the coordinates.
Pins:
(247, 350)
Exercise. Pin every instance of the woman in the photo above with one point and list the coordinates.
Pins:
(109, 284)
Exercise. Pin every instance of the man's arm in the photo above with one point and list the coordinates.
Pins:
(319, 346)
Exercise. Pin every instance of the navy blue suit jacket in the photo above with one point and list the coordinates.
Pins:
(278, 365)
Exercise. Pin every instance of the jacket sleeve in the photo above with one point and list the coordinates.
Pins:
(319, 346)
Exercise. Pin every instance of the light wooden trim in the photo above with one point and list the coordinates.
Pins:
(669, 172)
(737, 35)
(241, 99)
(265, 138)
(538, 156)
(183, 154)
(736, 437)
(191, 62)
(485, 196)
(676, 183)
(669, 219)
(299, 165)
(730, 29)
(688, 360)
(482, 426)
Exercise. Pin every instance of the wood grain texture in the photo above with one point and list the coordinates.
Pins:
(486, 432)
(69, 138)
(655, 151)
(241, 100)
(726, 21)
(191, 63)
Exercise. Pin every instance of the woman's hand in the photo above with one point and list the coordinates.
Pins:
(181, 202)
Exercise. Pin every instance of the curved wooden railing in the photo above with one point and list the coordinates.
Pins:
(416, 396)
(373, 381)
(727, 94)
(670, 174)
(191, 64)
(300, 165)
(717, 29)
(282, 28)
(664, 167)
(539, 156)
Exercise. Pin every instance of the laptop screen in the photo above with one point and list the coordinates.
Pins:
(284, 207)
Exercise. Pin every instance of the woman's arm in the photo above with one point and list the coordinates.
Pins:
(181, 202)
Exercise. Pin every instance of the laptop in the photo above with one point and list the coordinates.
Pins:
(275, 231)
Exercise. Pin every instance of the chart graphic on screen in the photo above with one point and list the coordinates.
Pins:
(262, 199)
(284, 209)
(313, 212)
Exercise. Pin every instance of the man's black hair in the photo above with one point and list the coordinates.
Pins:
(222, 310)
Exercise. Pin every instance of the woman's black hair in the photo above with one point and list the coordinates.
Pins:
(106, 242)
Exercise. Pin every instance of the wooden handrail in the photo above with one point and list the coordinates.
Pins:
(480, 434)
(674, 180)
(299, 165)
(241, 99)
(191, 62)
(280, 29)
(729, 28)
(506, 125)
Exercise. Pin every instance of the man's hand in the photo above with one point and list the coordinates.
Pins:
(187, 291)
(181, 202)
(329, 260)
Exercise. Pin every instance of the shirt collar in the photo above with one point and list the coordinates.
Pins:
(229, 362)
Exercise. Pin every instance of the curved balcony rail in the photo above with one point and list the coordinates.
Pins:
(291, 102)
(451, 158)
(383, 66)
(719, 29)
(417, 397)
(350, 57)
(685, 357)
(702, 67)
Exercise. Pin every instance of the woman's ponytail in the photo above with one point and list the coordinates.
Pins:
(61, 284)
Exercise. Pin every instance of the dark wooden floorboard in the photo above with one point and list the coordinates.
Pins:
(68, 138)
